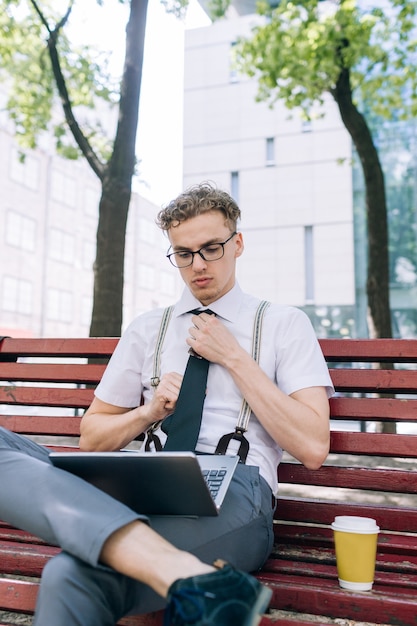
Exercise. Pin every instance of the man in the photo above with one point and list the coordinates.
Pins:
(116, 562)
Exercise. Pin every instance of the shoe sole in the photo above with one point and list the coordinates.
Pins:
(259, 607)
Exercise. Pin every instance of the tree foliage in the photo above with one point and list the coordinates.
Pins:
(363, 54)
(27, 29)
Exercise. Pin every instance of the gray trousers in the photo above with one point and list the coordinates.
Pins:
(62, 509)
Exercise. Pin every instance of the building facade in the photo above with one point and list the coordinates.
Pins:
(292, 179)
(48, 223)
(300, 187)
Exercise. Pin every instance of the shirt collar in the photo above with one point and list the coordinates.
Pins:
(226, 307)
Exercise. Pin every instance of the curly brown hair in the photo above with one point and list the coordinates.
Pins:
(196, 200)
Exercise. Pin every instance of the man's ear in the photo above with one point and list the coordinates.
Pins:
(240, 246)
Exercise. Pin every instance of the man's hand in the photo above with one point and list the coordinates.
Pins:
(165, 397)
(210, 338)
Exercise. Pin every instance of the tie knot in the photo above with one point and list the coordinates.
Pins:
(199, 311)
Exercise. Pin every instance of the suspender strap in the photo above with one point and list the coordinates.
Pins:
(166, 316)
(151, 437)
(245, 410)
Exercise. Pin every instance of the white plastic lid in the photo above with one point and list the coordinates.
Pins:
(346, 584)
(355, 524)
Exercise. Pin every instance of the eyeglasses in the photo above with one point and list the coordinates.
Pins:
(210, 252)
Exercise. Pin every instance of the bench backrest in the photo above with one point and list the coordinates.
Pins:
(45, 384)
(372, 462)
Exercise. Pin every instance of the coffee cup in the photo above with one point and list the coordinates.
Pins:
(355, 540)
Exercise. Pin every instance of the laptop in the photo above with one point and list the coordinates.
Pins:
(156, 483)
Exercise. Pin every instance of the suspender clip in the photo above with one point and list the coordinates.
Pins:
(224, 442)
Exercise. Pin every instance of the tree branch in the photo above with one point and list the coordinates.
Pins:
(80, 139)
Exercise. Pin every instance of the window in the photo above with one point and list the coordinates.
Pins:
(89, 254)
(233, 74)
(234, 185)
(167, 283)
(86, 310)
(59, 305)
(270, 151)
(24, 169)
(309, 264)
(17, 295)
(91, 201)
(61, 246)
(63, 188)
(147, 230)
(146, 277)
(20, 231)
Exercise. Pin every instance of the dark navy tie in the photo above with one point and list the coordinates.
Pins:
(183, 426)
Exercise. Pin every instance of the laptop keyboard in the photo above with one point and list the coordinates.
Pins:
(214, 479)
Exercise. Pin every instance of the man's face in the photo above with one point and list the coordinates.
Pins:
(207, 280)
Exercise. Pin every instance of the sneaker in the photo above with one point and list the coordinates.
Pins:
(226, 597)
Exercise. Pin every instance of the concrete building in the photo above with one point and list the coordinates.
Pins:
(293, 181)
(48, 222)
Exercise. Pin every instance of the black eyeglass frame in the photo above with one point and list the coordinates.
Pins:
(193, 253)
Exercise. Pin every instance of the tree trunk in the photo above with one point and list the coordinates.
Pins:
(107, 313)
(376, 209)
(379, 317)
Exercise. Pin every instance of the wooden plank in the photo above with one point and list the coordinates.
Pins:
(91, 347)
(25, 559)
(362, 350)
(9, 533)
(324, 597)
(387, 573)
(387, 480)
(321, 561)
(287, 535)
(370, 381)
(374, 409)
(313, 511)
(370, 350)
(68, 426)
(46, 396)
(68, 373)
(18, 595)
(374, 444)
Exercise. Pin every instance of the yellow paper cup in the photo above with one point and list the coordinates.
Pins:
(355, 540)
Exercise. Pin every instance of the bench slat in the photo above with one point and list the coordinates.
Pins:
(369, 350)
(40, 425)
(92, 347)
(374, 444)
(80, 373)
(289, 534)
(25, 559)
(373, 409)
(313, 511)
(371, 381)
(312, 559)
(17, 593)
(374, 479)
(46, 396)
(318, 595)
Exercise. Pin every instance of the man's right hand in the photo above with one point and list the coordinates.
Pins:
(165, 397)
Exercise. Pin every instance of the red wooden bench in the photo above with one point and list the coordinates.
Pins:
(368, 473)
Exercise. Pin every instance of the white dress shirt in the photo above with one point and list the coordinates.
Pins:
(289, 354)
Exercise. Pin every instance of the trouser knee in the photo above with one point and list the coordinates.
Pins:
(77, 594)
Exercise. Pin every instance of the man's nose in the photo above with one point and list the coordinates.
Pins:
(198, 261)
